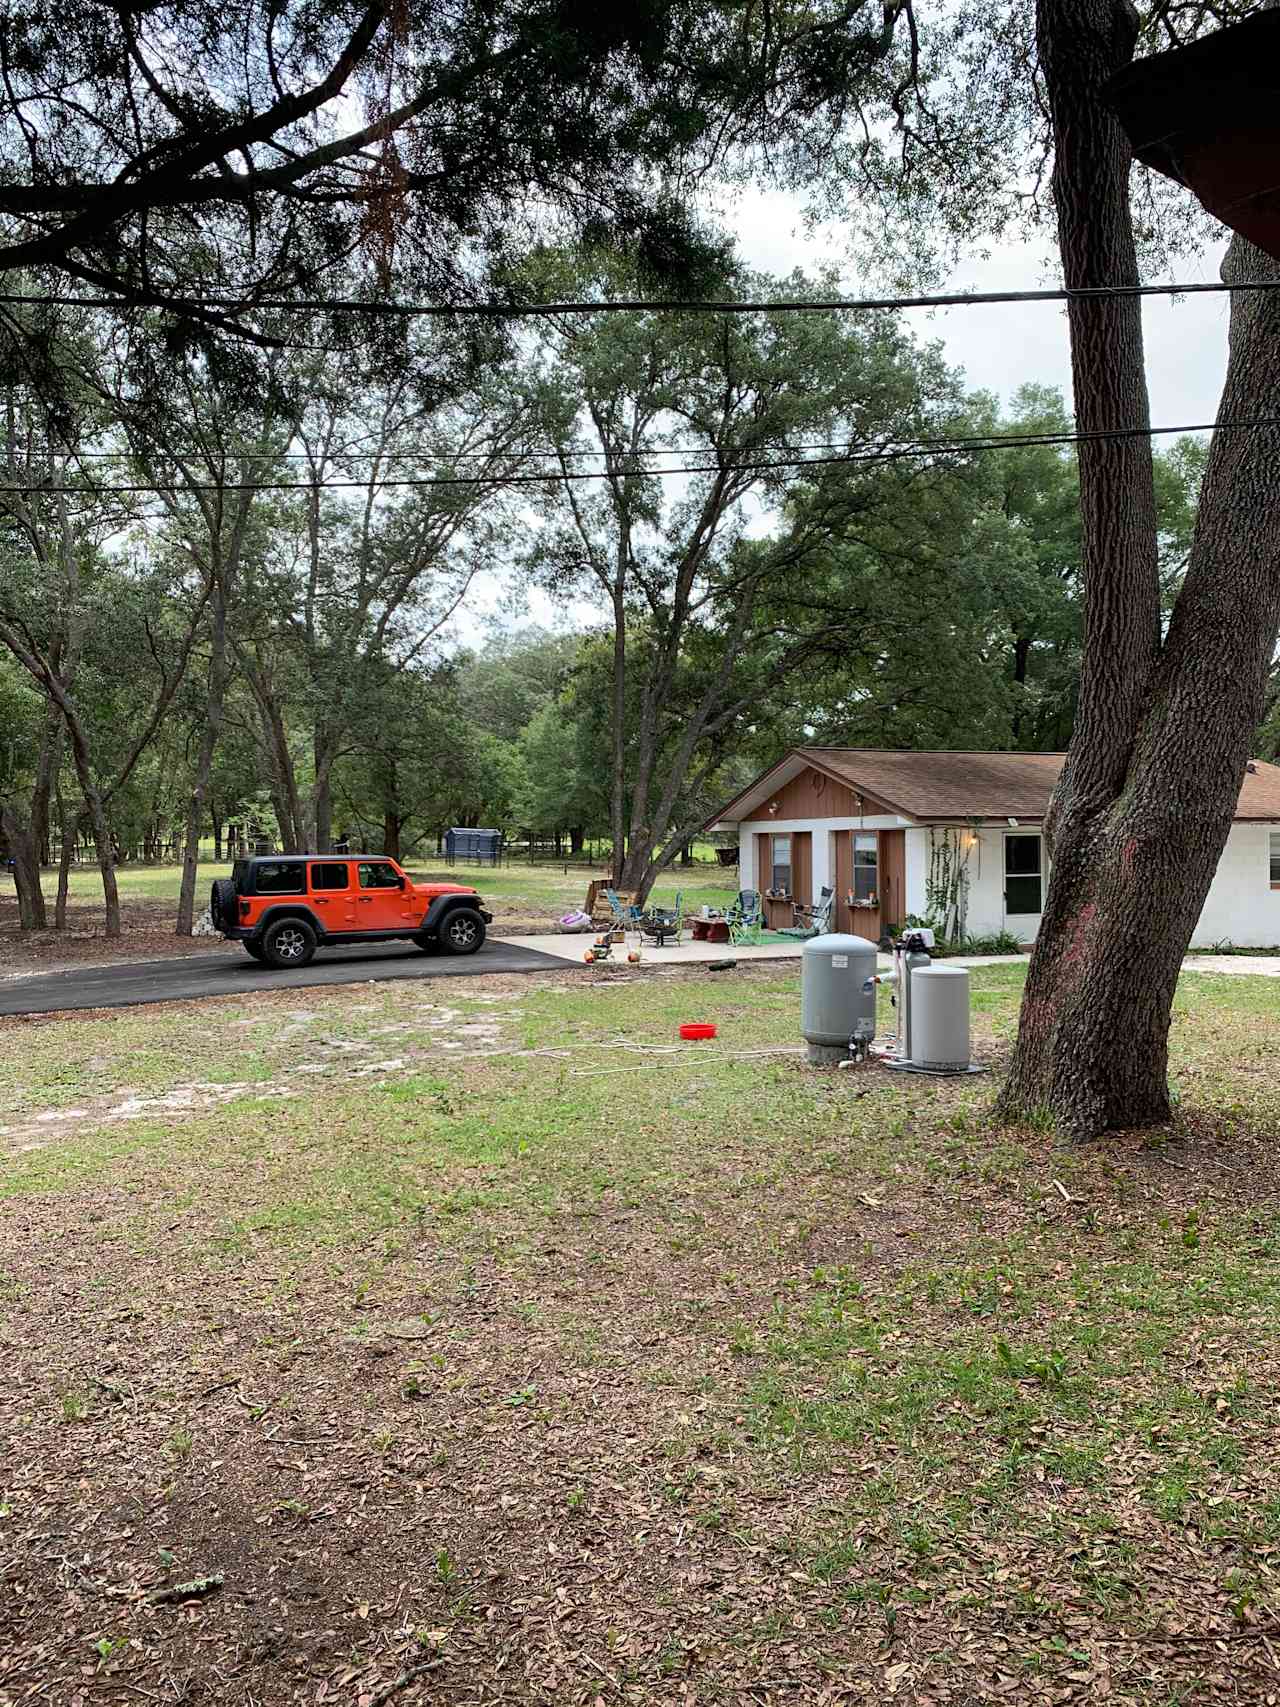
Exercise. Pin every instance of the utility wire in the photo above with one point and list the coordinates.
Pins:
(507, 311)
(532, 450)
(424, 455)
(554, 477)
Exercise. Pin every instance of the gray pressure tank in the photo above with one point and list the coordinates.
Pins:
(939, 1040)
(835, 1005)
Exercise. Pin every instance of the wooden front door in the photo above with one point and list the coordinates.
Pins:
(893, 877)
(870, 881)
(858, 882)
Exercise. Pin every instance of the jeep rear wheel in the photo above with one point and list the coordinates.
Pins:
(462, 931)
(288, 943)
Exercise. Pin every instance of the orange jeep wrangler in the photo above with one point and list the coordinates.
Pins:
(283, 907)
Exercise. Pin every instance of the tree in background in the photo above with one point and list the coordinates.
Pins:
(29, 752)
(964, 593)
(513, 676)
(367, 581)
(206, 459)
(694, 642)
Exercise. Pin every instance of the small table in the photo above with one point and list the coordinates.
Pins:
(710, 930)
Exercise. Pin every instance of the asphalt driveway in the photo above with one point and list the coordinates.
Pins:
(193, 976)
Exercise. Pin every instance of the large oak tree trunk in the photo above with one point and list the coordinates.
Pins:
(28, 837)
(1146, 798)
(32, 912)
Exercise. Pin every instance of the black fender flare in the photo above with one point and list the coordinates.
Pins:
(295, 911)
(442, 906)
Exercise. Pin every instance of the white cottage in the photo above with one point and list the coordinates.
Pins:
(879, 827)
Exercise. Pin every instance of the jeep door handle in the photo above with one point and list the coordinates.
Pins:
(321, 900)
(365, 900)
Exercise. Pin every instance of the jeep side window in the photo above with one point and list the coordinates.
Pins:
(329, 876)
(378, 875)
(280, 877)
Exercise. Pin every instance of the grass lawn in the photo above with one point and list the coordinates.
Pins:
(540, 893)
(491, 1356)
(522, 898)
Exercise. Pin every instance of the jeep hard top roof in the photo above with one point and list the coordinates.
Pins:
(273, 859)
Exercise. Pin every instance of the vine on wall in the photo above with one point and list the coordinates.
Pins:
(947, 887)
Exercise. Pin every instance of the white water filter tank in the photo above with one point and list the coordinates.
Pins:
(940, 1019)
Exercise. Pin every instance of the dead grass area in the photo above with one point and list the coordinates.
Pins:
(487, 1345)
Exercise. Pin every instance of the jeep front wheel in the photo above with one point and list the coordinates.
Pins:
(288, 943)
(462, 932)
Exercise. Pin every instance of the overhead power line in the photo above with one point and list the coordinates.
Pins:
(686, 305)
(554, 477)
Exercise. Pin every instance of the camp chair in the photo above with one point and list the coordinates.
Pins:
(745, 918)
(626, 916)
(812, 921)
(664, 924)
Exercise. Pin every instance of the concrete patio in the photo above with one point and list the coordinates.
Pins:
(573, 947)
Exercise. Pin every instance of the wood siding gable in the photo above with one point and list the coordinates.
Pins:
(814, 794)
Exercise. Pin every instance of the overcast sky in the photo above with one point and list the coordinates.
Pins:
(999, 347)
(1002, 347)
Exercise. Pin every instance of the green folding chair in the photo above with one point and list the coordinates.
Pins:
(745, 919)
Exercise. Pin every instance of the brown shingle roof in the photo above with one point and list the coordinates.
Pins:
(948, 785)
(937, 786)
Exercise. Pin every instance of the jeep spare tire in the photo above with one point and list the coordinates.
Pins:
(288, 943)
(224, 904)
(462, 931)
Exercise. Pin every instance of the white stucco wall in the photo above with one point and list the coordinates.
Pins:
(1242, 908)
(986, 878)
(916, 845)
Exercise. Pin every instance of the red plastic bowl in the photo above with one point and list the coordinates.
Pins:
(696, 1033)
